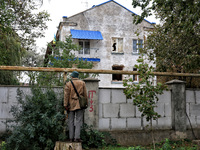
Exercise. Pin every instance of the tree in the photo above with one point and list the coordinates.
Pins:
(174, 43)
(62, 55)
(145, 93)
(19, 27)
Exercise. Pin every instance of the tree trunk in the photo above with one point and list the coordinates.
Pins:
(68, 146)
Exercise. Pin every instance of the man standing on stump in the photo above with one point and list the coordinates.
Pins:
(71, 104)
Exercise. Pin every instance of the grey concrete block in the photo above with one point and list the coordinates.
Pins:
(146, 124)
(188, 108)
(198, 96)
(198, 122)
(100, 110)
(12, 94)
(118, 124)
(192, 120)
(138, 113)
(110, 110)
(3, 94)
(130, 101)
(168, 109)
(5, 108)
(104, 95)
(134, 123)
(190, 96)
(165, 123)
(104, 124)
(127, 110)
(160, 109)
(165, 97)
(118, 96)
(2, 125)
(195, 109)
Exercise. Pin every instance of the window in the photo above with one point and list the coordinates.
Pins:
(117, 45)
(85, 45)
(117, 77)
(137, 44)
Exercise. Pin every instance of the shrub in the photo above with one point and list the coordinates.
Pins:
(95, 139)
(38, 120)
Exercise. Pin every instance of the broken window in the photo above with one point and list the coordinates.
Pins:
(137, 45)
(117, 77)
(85, 47)
(117, 45)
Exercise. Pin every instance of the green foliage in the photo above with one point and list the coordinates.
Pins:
(145, 93)
(20, 25)
(3, 145)
(38, 120)
(166, 145)
(63, 57)
(95, 139)
(174, 43)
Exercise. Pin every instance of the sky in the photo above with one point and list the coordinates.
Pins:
(59, 8)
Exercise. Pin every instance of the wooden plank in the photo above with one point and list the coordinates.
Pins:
(46, 69)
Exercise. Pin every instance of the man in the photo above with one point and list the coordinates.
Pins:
(71, 104)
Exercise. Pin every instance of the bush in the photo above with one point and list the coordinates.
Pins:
(95, 139)
(38, 120)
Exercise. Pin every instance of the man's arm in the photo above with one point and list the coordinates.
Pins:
(66, 96)
(85, 91)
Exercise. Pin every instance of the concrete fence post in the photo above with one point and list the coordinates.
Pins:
(91, 116)
(178, 106)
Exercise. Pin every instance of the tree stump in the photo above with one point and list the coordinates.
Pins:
(68, 146)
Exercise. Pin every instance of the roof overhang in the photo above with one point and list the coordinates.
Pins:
(86, 34)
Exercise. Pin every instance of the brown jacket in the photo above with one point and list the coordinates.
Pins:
(70, 96)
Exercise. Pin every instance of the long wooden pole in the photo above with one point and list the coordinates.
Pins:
(45, 69)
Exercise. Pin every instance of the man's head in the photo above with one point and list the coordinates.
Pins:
(74, 74)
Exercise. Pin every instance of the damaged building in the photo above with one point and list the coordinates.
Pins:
(108, 38)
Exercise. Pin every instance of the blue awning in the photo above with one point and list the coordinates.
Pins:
(85, 34)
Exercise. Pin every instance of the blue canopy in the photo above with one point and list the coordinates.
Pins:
(85, 34)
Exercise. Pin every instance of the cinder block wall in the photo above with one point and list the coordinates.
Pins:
(193, 108)
(116, 112)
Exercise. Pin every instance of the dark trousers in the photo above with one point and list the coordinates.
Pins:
(75, 123)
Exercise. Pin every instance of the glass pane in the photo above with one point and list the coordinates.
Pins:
(140, 44)
(87, 48)
(81, 50)
(135, 46)
(120, 45)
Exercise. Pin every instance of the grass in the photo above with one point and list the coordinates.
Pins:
(167, 144)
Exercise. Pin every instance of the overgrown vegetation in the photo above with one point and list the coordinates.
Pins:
(95, 139)
(166, 144)
(20, 25)
(38, 120)
(145, 93)
(174, 43)
(61, 56)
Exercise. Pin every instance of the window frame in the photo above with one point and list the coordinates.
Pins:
(137, 45)
(119, 45)
(84, 49)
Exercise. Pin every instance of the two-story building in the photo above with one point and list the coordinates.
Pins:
(108, 37)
